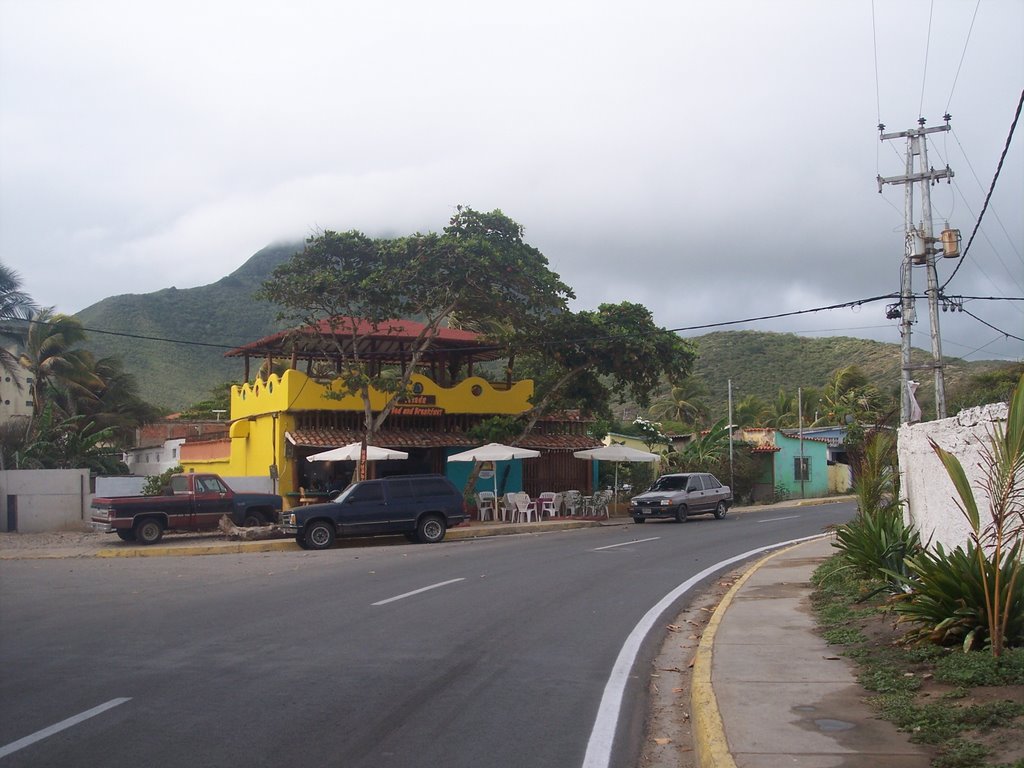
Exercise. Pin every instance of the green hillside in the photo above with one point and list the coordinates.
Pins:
(221, 315)
(224, 315)
(759, 363)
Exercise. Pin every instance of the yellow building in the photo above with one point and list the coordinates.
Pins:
(278, 420)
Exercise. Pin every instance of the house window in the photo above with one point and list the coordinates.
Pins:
(802, 468)
(174, 453)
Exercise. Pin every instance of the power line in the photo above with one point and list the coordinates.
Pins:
(991, 189)
(841, 305)
(927, 46)
(999, 330)
(962, 55)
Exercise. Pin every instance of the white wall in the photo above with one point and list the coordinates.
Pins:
(47, 499)
(119, 485)
(926, 486)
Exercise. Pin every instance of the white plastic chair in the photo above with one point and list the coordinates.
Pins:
(573, 501)
(508, 507)
(598, 506)
(526, 507)
(549, 503)
(485, 505)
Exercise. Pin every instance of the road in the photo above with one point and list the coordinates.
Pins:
(490, 652)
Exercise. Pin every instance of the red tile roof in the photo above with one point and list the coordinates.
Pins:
(387, 340)
(333, 438)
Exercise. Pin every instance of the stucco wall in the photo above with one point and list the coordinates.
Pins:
(45, 499)
(924, 482)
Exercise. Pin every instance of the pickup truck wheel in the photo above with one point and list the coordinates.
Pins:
(320, 535)
(252, 520)
(125, 534)
(430, 529)
(681, 514)
(148, 531)
(721, 510)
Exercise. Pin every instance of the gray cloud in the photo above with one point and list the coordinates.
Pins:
(712, 161)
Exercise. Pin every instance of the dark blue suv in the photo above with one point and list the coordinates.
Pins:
(422, 507)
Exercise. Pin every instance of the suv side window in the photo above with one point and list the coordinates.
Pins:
(435, 487)
(367, 492)
(401, 489)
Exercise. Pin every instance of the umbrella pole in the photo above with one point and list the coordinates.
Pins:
(496, 492)
(615, 498)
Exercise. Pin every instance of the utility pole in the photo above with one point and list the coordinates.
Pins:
(920, 251)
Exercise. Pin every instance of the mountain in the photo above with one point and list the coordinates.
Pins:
(198, 325)
(759, 363)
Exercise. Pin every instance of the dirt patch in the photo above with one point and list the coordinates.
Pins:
(668, 740)
(885, 635)
(51, 540)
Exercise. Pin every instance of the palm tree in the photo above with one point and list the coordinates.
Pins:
(850, 396)
(683, 403)
(749, 412)
(15, 304)
(52, 358)
(782, 411)
(109, 397)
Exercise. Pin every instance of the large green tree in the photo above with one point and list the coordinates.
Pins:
(477, 269)
(589, 359)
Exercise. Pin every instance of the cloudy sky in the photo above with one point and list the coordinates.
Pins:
(714, 161)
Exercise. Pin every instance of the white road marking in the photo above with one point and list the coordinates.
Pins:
(626, 543)
(602, 735)
(14, 746)
(774, 519)
(417, 591)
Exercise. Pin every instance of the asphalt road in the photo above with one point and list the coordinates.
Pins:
(490, 652)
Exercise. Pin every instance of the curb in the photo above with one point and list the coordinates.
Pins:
(223, 547)
(710, 743)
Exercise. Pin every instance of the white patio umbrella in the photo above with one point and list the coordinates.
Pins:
(350, 452)
(616, 452)
(495, 452)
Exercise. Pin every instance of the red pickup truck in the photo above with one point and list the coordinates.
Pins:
(192, 502)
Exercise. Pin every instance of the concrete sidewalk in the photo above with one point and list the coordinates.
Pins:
(769, 692)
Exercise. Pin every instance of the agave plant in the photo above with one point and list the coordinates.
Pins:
(877, 541)
(952, 594)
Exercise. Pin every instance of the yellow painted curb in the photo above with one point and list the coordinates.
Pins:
(710, 743)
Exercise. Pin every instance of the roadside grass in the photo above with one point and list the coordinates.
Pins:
(968, 708)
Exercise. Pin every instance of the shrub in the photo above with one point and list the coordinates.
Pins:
(949, 596)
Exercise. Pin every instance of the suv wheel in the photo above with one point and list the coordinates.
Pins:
(681, 514)
(721, 510)
(320, 535)
(252, 520)
(430, 529)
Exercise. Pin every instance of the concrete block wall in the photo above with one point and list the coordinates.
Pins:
(928, 491)
(38, 500)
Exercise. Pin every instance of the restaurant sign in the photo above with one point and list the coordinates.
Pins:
(417, 405)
